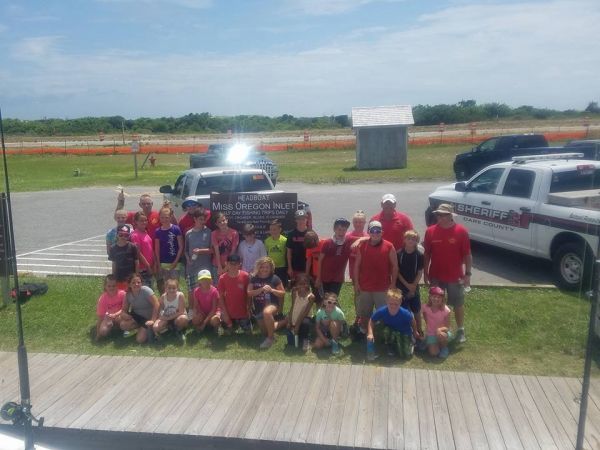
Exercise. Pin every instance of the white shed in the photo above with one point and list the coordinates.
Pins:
(381, 136)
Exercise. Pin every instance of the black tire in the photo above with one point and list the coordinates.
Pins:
(461, 171)
(572, 265)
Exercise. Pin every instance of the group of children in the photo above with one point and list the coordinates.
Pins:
(236, 285)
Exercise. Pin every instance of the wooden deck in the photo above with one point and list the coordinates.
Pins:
(346, 406)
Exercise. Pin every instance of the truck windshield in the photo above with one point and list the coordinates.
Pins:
(575, 180)
(233, 183)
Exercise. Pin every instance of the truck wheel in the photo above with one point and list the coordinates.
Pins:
(461, 172)
(573, 266)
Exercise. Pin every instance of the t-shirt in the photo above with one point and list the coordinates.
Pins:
(264, 298)
(409, 264)
(295, 242)
(250, 253)
(447, 248)
(401, 322)
(111, 235)
(313, 254)
(203, 300)
(435, 318)
(168, 243)
(394, 227)
(145, 245)
(335, 259)
(124, 258)
(276, 250)
(186, 221)
(110, 304)
(198, 239)
(226, 243)
(153, 221)
(141, 303)
(235, 293)
(336, 314)
(375, 268)
(353, 236)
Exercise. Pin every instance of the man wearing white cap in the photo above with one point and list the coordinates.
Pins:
(447, 251)
(394, 223)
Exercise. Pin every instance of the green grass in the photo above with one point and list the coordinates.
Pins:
(43, 172)
(525, 331)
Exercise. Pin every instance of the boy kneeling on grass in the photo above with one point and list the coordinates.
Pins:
(396, 327)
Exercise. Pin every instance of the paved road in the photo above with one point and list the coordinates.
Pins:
(73, 222)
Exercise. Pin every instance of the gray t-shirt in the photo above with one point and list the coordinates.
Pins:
(198, 239)
(250, 253)
(141, 303)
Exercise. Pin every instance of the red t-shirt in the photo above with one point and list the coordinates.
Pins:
(353, 236)
(234, 290)
(335, 258)
(375, 266)
(447, 248)
(313, 255)
(394, 228)
(153, 222)
(186, 222)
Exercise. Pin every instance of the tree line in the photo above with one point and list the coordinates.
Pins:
(464, 111)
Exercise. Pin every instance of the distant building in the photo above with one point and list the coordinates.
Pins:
(381, 136)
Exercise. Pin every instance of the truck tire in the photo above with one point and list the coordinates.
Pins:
(573, 265)
(461, 171)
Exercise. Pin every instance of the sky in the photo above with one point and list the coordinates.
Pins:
(156, 58)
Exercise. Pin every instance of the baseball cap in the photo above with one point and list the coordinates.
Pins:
(436, 290)
(388, 198)
(233, 258)
(341, 221)
(444, 208)
(374, 224)
(204, 275)
(190, 201)
(300, 214)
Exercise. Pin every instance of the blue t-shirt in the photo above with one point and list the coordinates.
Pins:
(401, 322)
(169, 245)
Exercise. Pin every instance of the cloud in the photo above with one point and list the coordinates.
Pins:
(325, 7)
(192, 4)
(37, 49)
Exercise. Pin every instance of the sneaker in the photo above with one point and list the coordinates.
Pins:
(421, 345)
(460, 336)
(181, 336)
(267, 343)
(444, 352)
(130, 333)
(220, 331)
(371, 356)
(305, 345)
(335, 347)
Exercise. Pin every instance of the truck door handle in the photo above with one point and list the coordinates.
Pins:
(485, 202)
(525, 209)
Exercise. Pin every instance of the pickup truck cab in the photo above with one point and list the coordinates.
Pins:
(199, 183)
(546, 206)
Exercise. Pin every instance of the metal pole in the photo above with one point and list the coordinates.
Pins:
(21, 350)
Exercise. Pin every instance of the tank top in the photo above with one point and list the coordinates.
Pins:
(170, 306)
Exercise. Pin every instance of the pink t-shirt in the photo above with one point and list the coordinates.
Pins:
(435, 318)
(144, 243)
(204, 299)
(110, 304)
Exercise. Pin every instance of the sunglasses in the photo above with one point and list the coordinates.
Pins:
(375, 230)
(329, 302)
(123, 234)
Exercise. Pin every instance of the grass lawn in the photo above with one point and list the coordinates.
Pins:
(525, 331)
(42, 172)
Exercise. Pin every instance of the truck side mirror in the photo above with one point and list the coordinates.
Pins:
(461, 186)
(166, 189)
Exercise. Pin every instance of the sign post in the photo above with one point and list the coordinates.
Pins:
(135, 149)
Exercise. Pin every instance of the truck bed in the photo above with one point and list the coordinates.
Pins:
(589, 199)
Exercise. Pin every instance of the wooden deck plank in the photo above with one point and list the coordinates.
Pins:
(471, 413)
(570, 389)
(39, 364)
(279, 382)
(379, 430)
(502, 412)
(312, 399)
(460, 431)
(519, 419)
(364, 416)
(295, 403)
(323, 405)
(349, 414)
(229, 398)
(275, 417)
(441, 414)
(425, 408)
(594, 391)
(554, 423)
(410, 410)
(212, 402)
(114, 398)
(542, 434)
(486, 412)
(395, 414)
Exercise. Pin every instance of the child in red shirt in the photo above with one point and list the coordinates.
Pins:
(233, 298)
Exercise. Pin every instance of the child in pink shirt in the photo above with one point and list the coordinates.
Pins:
(108, 307)
(204, 308)
(437, 317)
(142, 239)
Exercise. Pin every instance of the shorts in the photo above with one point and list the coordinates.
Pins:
(281, 272)
(433, 340)
(332, 286)
(455, 292)
(244, 324)
(413, 303)
(165, 273)
(368, 300)
(344, 331)
(140, 320)
(403, 344)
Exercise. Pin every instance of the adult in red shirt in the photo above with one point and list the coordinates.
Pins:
(447, 252)
(186, 221)
(375, 271)
(394, 223)
(146, 204)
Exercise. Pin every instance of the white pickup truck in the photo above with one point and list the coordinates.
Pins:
(546, 206)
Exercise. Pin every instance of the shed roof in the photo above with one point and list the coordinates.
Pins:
(382, 116)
